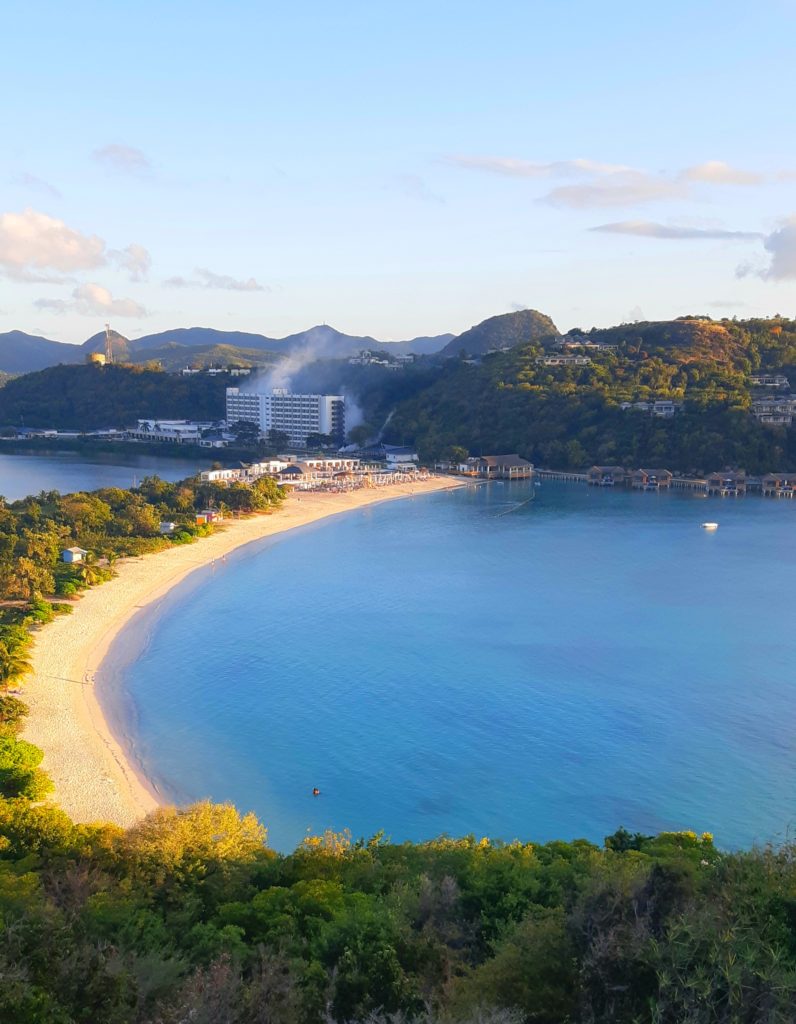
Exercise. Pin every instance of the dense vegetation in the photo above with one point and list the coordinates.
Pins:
(571, 416)
(88, 397)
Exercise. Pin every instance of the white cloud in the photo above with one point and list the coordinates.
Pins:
(92, 300)
(514, 168)
(781, 244)
(626, 189)
(651, 229)
(31, 241)
(611, 184)
(39, 184)
(135, 259)
(205, 278)
(118, 157)
(716, 172)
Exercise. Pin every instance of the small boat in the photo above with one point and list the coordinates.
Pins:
(710, 526)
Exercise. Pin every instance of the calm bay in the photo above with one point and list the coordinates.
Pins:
(518, 661)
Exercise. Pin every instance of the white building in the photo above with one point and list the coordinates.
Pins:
(72, 555)
(298, 416)
(769, 380)
(170, 431)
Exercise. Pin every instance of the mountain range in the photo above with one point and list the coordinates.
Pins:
(23, 353)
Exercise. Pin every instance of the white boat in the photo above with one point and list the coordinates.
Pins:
(710, 526)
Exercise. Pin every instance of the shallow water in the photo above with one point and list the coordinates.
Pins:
(476, 662)
(32, 472)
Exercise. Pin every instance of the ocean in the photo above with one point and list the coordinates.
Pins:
(516, 661)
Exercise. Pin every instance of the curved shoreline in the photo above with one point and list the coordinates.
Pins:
(94, 778)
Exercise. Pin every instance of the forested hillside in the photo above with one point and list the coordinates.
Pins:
(504, 331)
(86, 397)
(571, 416)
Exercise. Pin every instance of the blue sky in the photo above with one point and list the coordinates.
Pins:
(394, 169)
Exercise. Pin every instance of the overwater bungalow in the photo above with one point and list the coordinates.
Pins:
(726, 483)
(607, 476)
(778, 485)
(651, 479)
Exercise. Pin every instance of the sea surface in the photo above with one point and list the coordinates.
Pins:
(510, 660)
(35, 471)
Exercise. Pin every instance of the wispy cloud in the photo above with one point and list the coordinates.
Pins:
(627, 189)
(605, 184)
(514, 168)
(651, 229)
(204, 278)
(716, 172)
(37, 184)
(135, 259)
(123, 159)
(92, 300)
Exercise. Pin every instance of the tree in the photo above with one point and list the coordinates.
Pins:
(320, 440)
(360, 434)
(278, 438)
(13, 665)
(246, 432)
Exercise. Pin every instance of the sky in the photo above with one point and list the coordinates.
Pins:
(392, 169)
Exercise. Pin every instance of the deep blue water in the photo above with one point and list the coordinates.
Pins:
(34, 471)
(463, 663)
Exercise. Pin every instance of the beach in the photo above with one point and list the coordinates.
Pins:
(94, 780)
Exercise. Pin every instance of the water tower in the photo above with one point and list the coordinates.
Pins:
(108, 344)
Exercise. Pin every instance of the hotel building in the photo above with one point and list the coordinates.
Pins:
(298, 416)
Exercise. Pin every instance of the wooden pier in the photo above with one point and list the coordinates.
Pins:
(560, 474)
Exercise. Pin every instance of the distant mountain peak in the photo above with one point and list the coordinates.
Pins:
(507, 330)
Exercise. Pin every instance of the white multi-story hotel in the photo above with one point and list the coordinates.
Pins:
(298, 416)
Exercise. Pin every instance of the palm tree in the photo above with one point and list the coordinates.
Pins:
(89, 574)
(13, 665)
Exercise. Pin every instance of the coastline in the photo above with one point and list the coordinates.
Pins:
(93, 776)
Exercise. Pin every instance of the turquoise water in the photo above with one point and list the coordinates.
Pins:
(462, 662)
(31, 472)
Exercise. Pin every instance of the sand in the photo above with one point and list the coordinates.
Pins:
(94, 780)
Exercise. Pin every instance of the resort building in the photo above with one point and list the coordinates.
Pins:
(564, 360)
(168, 431)
(607, 476)
(298, 416)
(774, 412)
(778, 485)
(726, 483)
(497, 467)
(664, 408)
(769, 380)
(651, 479)
(396, 455)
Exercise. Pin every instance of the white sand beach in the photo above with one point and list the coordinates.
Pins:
(94, 780)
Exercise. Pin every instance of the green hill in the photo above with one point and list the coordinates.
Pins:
(571, 416)
(499, 332)
(87, 397)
